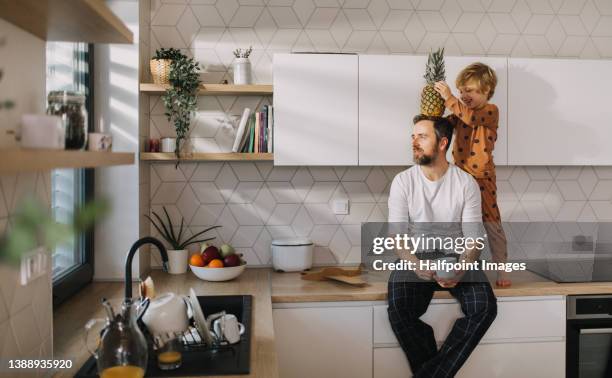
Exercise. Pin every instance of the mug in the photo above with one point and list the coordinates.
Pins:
(228, 328)
(99, 142)
(168, 144)
(167, 313)
(442, 273)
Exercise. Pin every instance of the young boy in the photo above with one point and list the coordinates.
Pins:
(475, 121)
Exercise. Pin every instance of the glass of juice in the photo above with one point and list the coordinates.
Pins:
(169, 355)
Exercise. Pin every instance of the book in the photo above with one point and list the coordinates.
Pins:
(241, 127)
(252, 136)
(257, 130)
(264, 127)
(246, 135)
(270, 127)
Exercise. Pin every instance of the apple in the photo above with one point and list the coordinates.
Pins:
(227, 250)
(210, 254)
(203, 247)
(232, 260)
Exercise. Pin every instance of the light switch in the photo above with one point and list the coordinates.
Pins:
(341, 206)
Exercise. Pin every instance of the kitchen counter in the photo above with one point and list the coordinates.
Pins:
(289, 288)
(70, 318)
(266, 287)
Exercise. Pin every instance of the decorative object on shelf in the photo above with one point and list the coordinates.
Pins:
(42, 131)
(152, 145)
(168, 144)
(70, 107)
(33, 226)
(5, 104)
(160, 64)
(242, 66)
(432, 103)
(177, 256)
(100, 142)
(180, 99)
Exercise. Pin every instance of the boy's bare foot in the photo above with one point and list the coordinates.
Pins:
(503, 280)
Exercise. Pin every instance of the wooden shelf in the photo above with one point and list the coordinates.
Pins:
(205, 156)
(214, 89)
(89, 21)
(23, 160)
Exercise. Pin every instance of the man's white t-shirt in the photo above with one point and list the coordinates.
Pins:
(455, 197)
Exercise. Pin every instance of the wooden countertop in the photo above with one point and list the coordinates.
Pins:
(266, 287)
(290, 288)
(70, 318)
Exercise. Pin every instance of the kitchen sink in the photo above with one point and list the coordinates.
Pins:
(198, 361)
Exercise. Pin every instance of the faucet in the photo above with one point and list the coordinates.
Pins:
(128, 262)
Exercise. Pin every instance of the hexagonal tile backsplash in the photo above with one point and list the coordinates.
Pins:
(256, 202)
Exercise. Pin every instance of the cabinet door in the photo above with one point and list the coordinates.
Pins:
(455, 64)
(315, 109)
(503, 360)
(559, 112)
(324, 341)
(389, 97)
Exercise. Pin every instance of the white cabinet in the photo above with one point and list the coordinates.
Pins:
(559, 112)
(389, 97)
(503, 360)
(315, 109)
(324, 341)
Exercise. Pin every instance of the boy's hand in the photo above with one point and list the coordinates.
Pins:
(443, 89)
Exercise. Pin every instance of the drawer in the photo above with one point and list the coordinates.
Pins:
(517, 318)
(534, 360)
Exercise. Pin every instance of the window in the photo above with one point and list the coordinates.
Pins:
(68, 68)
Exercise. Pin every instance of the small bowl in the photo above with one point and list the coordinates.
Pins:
(217, 274)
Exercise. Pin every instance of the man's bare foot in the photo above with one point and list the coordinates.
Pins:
(503, 280)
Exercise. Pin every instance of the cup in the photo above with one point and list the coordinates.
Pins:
(228, 328)
(443, 273)
(170, 354)
(168, 144)
(99, 142)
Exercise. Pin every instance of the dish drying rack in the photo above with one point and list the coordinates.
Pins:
(191, 340)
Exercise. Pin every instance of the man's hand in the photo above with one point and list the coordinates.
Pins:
(424, 274)
(443, 89)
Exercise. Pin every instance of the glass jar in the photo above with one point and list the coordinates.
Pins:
(70, 107)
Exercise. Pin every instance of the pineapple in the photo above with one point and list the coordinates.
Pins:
(432, 103)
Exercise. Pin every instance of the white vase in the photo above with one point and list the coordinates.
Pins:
(242, 71)
(177, 260)
(168, 144)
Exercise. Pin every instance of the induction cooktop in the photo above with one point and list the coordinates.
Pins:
(590, 269)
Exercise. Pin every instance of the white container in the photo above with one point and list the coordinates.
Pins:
(42, 131)
(166, 313)
(217, 274)
(292, 255)
(168, 144)
(242, 71)
(178, 261)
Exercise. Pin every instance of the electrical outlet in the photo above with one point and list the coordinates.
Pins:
(33, 265)
(341, 206)
(582, 243)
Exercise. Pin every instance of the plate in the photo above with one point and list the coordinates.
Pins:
(199, 318)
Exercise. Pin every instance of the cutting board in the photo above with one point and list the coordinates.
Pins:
(345, 275)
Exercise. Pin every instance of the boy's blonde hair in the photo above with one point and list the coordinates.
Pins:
(483, 75)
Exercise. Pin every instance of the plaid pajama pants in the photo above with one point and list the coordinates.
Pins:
(409, 297)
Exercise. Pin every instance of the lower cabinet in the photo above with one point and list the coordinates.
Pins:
(324, 341)
(524, 359)
(354, 339)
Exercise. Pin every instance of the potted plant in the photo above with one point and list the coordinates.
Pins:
(242, 66)
(5, 104)
(178, 254)
(180, 99)
(160, 64)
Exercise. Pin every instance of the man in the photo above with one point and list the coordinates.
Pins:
(435, 191)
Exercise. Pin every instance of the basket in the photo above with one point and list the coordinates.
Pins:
(160, 70)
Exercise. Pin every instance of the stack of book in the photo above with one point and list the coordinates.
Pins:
(254, 132)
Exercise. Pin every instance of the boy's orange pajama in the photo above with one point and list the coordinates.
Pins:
(475, 136)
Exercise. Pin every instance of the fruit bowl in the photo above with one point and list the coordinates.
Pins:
(217, 274)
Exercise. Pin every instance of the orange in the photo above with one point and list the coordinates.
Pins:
(196, 260)
(216, 263)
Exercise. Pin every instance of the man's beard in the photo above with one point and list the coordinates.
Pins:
(424, 159)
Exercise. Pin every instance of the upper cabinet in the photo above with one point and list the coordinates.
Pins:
(389, 97)
(62, 20)
(315, 109)
(559, 112)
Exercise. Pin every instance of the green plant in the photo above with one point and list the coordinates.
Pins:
(166, 230)
(180, 99)
(5, 104)
(33, 226)
(170, 53)
(240, 53)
